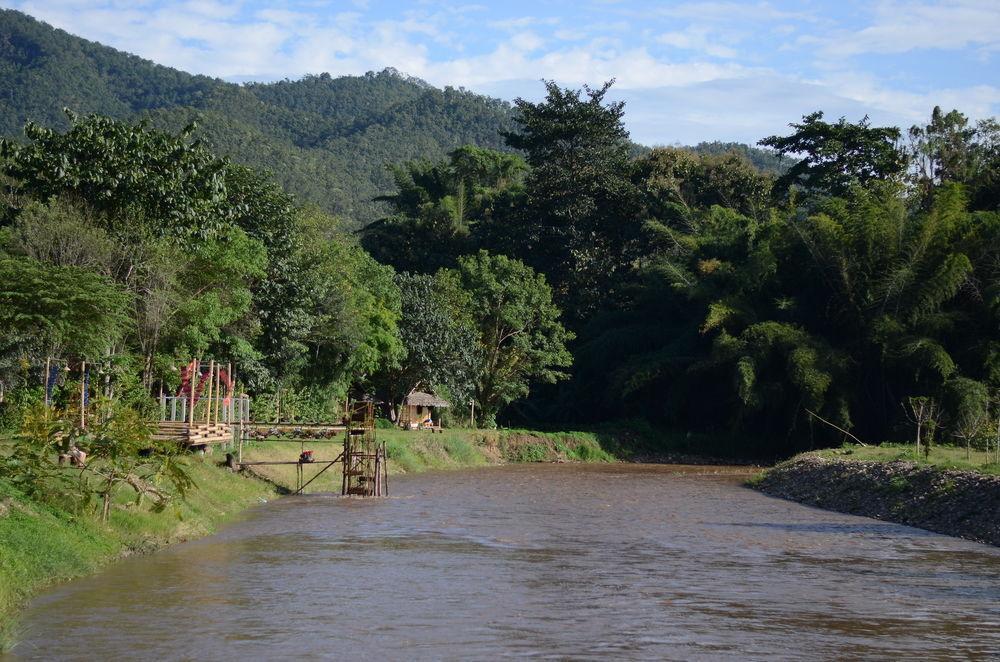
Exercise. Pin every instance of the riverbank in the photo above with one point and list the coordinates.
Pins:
(955, 502)
(41, 545)
(418, 451)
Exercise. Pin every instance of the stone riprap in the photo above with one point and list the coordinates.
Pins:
(957, 503)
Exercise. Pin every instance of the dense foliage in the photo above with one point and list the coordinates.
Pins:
(778, 309)
(529, 259)
(137, 250)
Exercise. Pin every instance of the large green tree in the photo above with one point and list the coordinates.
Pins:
(520, 336)
(445, 209)
(440, 337)
(49, 310)
(836, 156)
(354, 308)
(581, 223)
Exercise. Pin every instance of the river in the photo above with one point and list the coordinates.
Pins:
(564, 561)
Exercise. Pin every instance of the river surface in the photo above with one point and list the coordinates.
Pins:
(564, 561)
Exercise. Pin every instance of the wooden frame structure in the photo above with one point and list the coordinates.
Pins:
(365, 472)
(206, 409)
(363, 460)
(81, 400)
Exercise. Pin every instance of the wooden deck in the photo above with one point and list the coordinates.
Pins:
(199, 434)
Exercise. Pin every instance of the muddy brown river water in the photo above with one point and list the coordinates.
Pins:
(564, 561)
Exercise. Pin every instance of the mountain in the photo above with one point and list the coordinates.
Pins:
(325, 139)
(765, 160)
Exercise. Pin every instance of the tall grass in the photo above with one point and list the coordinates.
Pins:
(940, 456)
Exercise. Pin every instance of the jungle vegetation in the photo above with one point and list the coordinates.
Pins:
(551, 272)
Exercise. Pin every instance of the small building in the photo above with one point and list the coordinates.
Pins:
(421, 411)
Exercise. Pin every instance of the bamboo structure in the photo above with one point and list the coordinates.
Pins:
(365, 472)
(223, 419)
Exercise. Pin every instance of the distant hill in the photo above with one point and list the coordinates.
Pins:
(766, 160)
(327, 140)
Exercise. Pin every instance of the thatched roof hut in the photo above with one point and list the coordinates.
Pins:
(421, 399)
(418, 411)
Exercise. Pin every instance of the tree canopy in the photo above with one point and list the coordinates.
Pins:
(839, 155)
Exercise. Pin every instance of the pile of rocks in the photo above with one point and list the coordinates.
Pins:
(957, 503)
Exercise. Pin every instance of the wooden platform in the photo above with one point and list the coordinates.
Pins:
(199, 434)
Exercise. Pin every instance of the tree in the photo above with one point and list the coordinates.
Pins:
(444, 209)
(140, 178)
(675, 182)
(948, 148)
(520, 337)
(60, 310)
(63, 233)
(837, 156)
(28, 466)
(580, 224)
(969, 407)
(942, 150)
(925, 413)
(352, 332)
(439, 335)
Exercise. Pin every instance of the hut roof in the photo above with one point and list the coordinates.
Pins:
(421, 399)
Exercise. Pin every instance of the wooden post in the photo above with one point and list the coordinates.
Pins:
(241, 430)
(193, 382)
(385, 471)
(230, 384)
(472, 420)
(218, 392)
(211, 373)
(83, 395)
(45, 379)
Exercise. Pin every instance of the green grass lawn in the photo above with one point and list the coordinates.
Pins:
(944, 457)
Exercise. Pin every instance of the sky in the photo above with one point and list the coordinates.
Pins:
(688, 71)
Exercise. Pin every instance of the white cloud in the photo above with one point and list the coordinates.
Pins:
(903, 27)
(730, 12)
(700, 39)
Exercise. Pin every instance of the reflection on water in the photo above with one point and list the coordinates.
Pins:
(559, 561)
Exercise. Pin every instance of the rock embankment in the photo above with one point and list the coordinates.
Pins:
(957, 503)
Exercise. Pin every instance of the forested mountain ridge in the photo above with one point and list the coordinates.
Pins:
(327, 140)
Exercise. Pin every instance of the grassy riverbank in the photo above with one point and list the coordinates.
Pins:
(941, 457)
(41, 545)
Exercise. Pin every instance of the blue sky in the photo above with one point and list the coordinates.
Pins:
(688, 71)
